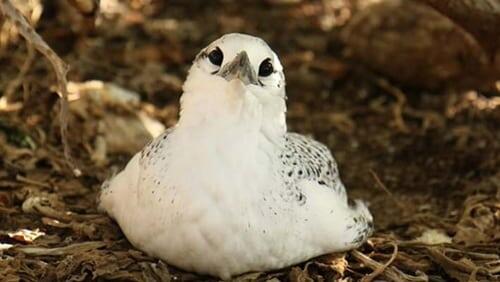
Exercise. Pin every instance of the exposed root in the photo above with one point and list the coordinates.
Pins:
(391, 272)
(454, 268)
(378, 271)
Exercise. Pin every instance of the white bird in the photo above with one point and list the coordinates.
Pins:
(228, 190)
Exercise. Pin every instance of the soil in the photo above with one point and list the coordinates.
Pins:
(426, 162)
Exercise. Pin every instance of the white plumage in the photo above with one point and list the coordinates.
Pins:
(228, 190)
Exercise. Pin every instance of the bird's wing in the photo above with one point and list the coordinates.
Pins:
(124, 184)
(304, 158)
(309, 165)
(150, 153)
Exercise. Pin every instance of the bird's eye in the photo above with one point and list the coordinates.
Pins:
(216, 56)
(266, 68)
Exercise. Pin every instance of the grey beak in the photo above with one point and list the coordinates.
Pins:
(239, 68)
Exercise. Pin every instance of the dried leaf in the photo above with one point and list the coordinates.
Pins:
(26, 235)
(433, 237)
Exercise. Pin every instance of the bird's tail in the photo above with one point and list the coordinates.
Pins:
(117, 188)
(363, 220)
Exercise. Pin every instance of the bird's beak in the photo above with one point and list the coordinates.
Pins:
(239, 68)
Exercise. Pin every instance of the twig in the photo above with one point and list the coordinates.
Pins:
(474, 254)
(379, 182)
(439, 257)
(60, 68)
(26, 180)
(62, 251)
(14, 84)
(391, 272)
(382, 185)
(380, 270)
(473, 275)
(400, 102)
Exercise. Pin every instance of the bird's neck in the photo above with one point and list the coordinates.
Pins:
(232, 134)
(232, 113)
(228, 140)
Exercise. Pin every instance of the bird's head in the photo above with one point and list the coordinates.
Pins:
(236, 77)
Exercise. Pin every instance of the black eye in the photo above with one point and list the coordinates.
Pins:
(266, 68)
(216, 56)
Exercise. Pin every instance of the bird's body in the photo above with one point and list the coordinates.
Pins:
(228, 190)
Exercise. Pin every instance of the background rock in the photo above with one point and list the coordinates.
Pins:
(415, 44)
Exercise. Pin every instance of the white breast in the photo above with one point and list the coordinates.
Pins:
(215, 204)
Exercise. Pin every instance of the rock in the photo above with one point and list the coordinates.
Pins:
(416, 45)
(113, 119)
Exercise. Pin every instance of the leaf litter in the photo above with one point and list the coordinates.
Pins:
(427, 163)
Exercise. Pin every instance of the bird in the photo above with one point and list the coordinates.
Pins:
(228, 190)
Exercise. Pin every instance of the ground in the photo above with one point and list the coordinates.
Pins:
(426, 161)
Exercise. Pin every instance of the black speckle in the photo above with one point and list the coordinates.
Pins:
(351, 203)
(300, 172)
(290, 173)
(321, 182)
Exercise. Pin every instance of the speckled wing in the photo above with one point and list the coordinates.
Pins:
(303, 158)
(155, 150)
(306, 158)
(137, 173)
